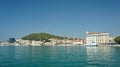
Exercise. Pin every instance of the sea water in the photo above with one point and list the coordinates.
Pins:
(59, 56)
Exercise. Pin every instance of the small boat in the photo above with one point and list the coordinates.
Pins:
(91, 44)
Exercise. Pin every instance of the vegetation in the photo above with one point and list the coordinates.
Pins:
(42, 36)
(117, 39)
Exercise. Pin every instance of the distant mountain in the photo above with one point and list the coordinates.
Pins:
(42, 36)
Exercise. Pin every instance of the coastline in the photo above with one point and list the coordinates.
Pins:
(116, 45)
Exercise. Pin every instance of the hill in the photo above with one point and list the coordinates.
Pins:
(42, 36)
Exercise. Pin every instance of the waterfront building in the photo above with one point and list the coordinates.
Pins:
(12, 40)
(24, 42)
(98, 38)
(4, 43)
(36, 43)
(112, 40)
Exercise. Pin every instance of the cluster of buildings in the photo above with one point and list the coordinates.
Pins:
(53, 41)
(102, 38)
(98, 38)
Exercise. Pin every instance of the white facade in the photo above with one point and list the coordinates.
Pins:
(98, 38)
(36, 43)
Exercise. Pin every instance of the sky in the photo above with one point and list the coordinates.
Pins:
(71, 18)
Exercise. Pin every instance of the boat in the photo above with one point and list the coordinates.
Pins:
(91, 44)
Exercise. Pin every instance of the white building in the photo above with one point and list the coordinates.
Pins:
(4, 43)
(112, 40)
(36, 43)
(98, 38)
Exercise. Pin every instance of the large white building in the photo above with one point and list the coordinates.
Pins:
(98, 38)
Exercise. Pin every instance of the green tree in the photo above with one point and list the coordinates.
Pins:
(117, 39)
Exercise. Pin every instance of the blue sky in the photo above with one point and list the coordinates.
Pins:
(70, 18)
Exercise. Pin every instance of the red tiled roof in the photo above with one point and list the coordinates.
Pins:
(93, 33)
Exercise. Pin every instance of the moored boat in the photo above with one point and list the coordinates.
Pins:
(91, 44)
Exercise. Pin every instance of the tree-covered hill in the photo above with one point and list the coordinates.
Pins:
(41, 36)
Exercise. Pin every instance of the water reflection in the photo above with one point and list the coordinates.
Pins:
(8, 55)
(75, 56)
(98, 56)
(91, 50)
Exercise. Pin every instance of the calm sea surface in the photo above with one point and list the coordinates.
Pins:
(59, 56)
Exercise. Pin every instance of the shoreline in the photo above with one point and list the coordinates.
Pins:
(117, 45)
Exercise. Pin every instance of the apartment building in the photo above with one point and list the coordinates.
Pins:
(98, 38)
